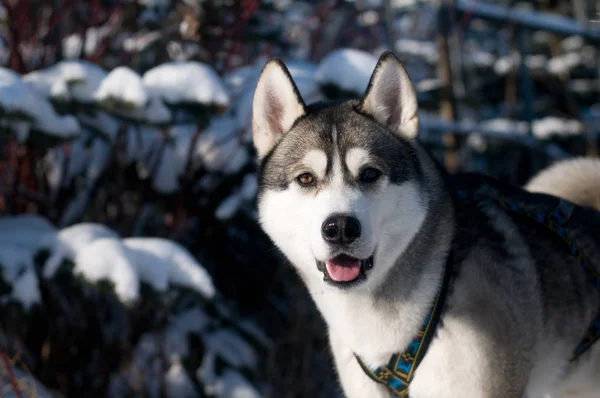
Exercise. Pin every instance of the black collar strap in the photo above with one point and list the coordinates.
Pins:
(400, 370)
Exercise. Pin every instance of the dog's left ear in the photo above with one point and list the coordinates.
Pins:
(276, 106)
(390, 97)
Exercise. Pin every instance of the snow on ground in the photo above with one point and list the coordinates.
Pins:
(348, 69)
(18, 98)
(124, 87)
(80, 78)
(100, 254)
(16, 268)
(20, 238)
(180, 268)
(72, 240)
(107, 259)
(181, 82)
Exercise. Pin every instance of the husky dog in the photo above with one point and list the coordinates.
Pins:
(431, 286)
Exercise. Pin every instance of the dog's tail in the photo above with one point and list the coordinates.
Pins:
(577, 180)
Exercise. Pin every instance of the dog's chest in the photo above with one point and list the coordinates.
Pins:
(373, 333)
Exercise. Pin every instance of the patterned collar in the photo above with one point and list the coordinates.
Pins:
(400, 370)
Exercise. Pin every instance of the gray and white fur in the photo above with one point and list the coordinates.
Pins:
(518, 305)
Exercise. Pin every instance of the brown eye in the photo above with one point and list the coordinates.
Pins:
(306, 179)
(369, 174)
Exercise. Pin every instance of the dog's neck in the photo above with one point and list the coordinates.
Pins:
(378, 323)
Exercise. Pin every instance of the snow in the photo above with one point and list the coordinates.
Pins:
(564, 63)
(178, 383)
(181, 268)
(141, 41)
(426, 50)
(166, 177)
(228, 207)
(71, 46)
(231, 384)
(503, 125)
(238, 159)
(99, 157)
(156, 112)
(193, 320)
(249, 187)
(16, 266)
(173, 158)
(80, 79)
(553, 126)
(102, 121)
(140, 143)
(572, 43)
(75, 209)
(217, 144)
(505, 65)
(26, 382)
(73, 240)
(231, 347)
(28, 231)
(482, 59)
(123, 86)
(193, 82)
(100, 254)
(93, 37)
(348, 69)
(536, 62)
(428, 85)
(108, 259)
(17, 97)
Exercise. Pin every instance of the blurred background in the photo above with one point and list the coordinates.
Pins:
(131, 260)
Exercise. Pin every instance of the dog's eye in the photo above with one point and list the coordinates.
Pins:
(306, 179)
(369, 174)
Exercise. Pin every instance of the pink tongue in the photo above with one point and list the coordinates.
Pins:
(343, 270)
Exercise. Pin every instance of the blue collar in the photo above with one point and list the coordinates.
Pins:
(400, 370)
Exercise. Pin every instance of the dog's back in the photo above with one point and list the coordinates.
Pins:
(577, 180)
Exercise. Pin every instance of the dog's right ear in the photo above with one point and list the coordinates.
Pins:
(276, 106)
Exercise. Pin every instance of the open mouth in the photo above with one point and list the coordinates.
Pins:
(345, 271)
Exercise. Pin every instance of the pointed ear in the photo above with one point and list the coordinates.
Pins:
(390, 97)
(276, 106)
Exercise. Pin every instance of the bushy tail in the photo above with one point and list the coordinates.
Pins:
(577, 180)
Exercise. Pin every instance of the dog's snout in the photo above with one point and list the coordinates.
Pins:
(340, 229)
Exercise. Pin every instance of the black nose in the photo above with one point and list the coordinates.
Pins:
(340, 229)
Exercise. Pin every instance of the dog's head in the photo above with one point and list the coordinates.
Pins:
(340, 187)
